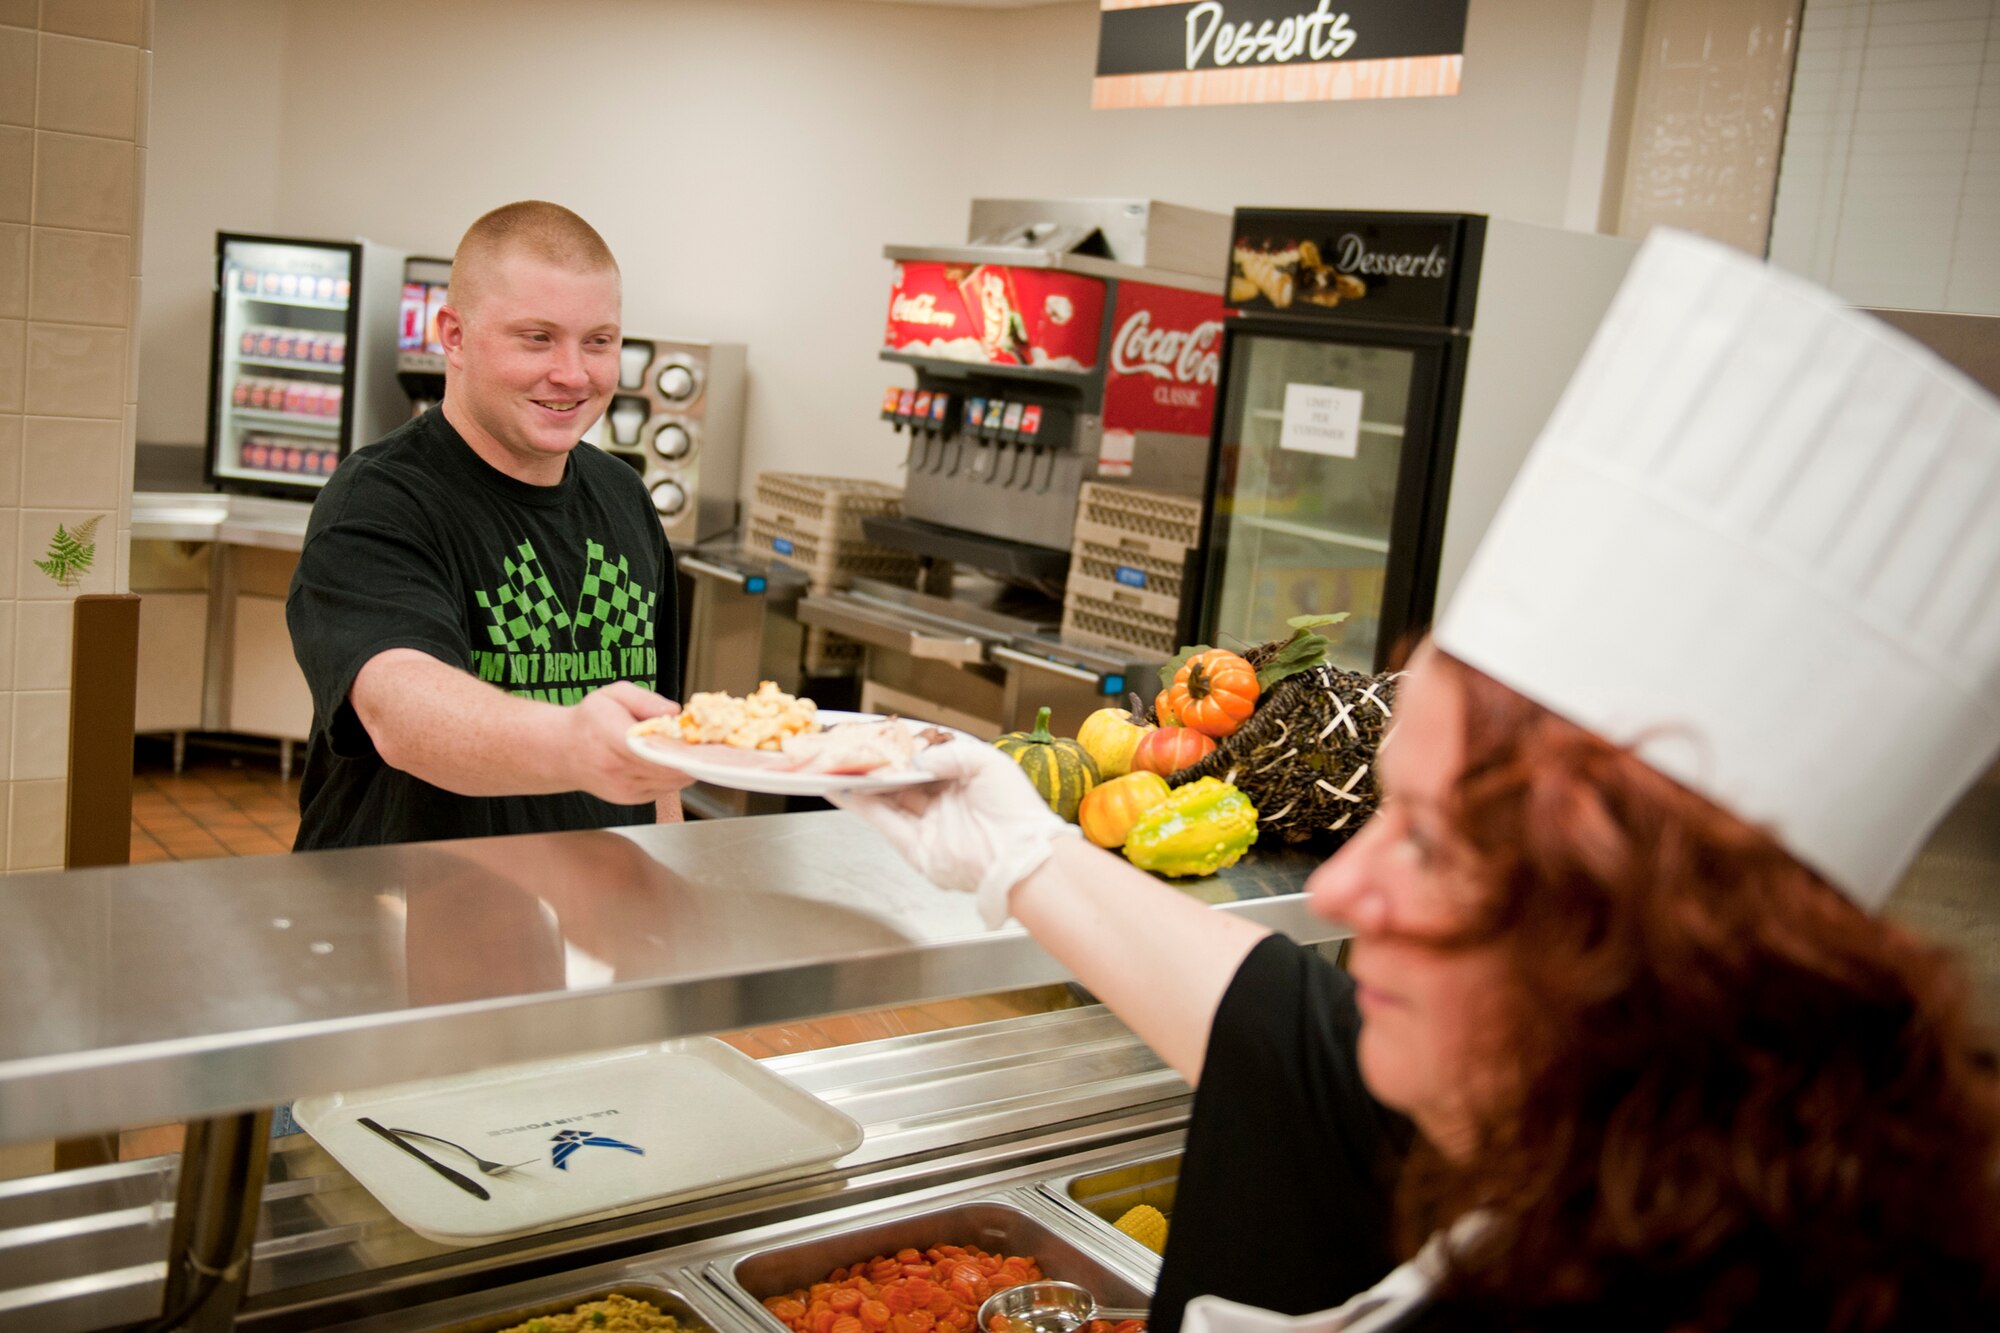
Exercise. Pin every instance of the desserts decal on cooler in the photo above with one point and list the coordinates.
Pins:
(1285, 271)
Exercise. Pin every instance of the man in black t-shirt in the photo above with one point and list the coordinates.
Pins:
(482, 609)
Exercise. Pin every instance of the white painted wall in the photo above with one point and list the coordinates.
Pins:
(213, 165)
(747, 159)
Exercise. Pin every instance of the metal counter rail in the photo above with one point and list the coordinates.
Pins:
(82, 1250)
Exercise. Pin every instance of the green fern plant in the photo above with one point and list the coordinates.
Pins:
(71, 554)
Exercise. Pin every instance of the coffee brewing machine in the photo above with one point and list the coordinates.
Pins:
(1067, 341)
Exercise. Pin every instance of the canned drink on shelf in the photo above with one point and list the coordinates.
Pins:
(247, 344)
(324, 289)
(283, 345)
(330, 402)
(239, 394)
(267, 342)
(291, 460)
(289, 285)
(253, 452)
(336, 349)
(342, 288)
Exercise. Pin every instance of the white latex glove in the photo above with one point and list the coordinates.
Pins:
(981, 830)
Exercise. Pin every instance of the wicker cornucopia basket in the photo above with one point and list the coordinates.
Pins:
(1306, 756)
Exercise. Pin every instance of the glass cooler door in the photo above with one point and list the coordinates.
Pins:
(280, 401)
(1324, 450)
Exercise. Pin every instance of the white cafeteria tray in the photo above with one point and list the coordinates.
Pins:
(670, 1121)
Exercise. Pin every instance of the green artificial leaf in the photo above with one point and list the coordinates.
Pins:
(1315, 622)
(1302, 652)
(1174, 665)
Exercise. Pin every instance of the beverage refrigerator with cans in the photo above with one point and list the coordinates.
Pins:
(1382, 377)
(302, 368)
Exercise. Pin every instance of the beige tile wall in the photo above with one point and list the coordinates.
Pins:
(74, 79)
(1708, 118)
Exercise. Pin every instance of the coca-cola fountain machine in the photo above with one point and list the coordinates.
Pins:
(1066, 343)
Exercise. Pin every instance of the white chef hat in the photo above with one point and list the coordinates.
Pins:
(1760, 540)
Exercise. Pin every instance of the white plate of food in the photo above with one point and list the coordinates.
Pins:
(773, 743)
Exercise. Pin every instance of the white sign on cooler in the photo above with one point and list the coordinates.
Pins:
(1321, 419)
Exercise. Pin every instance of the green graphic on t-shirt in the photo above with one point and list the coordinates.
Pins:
(542, 651)
(524, 606)
(621, 609)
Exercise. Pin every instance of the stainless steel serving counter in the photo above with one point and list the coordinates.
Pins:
(201, 990)
(197, 988)
(206, 516)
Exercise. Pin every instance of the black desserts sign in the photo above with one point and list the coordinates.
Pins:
(1216, 52)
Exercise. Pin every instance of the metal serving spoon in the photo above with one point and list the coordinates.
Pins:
(1047, 1307)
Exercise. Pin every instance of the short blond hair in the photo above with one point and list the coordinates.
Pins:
(535, 227)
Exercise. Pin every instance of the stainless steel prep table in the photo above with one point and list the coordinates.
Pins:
(202, 989)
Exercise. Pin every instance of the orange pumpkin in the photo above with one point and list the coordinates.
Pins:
(1163, 713)
(1214, 692)
(1109, 811)
(1171, 749)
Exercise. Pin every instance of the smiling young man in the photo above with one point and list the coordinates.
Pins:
(482, 608)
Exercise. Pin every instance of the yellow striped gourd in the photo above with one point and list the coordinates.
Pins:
(1061, 770)
(1203, 827)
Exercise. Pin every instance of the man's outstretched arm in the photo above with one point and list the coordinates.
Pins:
(438, 723)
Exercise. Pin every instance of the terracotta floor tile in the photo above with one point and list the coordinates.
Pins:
(169, 823)
(913, 1020)
(749, 1044)
(152, 1141)
(846, 1029)
(215, 807)
(953, 1013)
(791, 1037)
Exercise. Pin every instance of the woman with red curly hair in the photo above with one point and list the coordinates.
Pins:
(1620, 1044)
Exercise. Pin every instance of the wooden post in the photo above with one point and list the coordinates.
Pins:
(103, 685)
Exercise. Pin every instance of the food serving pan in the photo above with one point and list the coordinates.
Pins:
(508, 1307)
(998, 1224)
(1099, 1197)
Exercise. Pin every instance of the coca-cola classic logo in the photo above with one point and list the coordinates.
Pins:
(1189, 356)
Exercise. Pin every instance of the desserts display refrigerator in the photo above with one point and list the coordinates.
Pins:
(1383, 375)
(302, 367)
